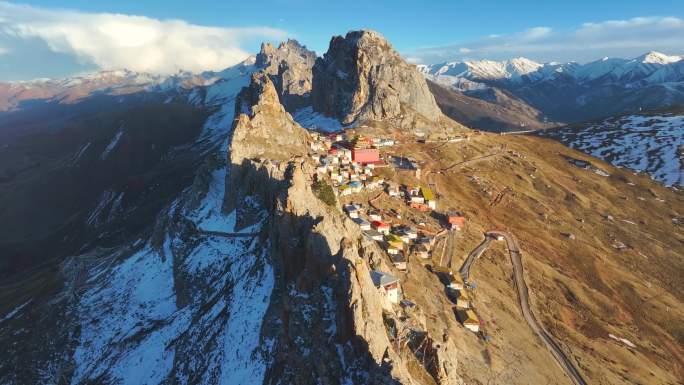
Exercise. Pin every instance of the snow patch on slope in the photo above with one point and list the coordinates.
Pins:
(644, 143)
(112, 144)
(312, 120)
(138, 298)
(14, 312)
(131, 321)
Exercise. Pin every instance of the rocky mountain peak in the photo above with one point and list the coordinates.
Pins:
(289, 66)
(654, 57)
(262, 128)
(362, 78)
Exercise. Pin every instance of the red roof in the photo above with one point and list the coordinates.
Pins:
(365, 155)
(378, 224)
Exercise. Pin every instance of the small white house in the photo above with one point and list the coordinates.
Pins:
(344, 190)
(373, 235)
(352, 210)
(363, 224)
(455, 283)
(469, 320)
(421, 252)
(399, 261)
(417, 199)
(387, 284)
(392, 190)
(463, 300)
(404, 238)
(410, 232)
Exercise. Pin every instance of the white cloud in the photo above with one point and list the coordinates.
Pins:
(113, 41)
(589, 41)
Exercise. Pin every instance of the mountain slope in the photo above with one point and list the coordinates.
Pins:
(165, 287)
(503, 113)
(649, 142)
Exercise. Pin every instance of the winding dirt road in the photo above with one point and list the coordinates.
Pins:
(524, 299)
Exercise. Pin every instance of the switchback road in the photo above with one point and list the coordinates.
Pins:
(464, 271)
(524, 300)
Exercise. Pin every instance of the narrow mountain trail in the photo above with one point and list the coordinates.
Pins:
(524, 299)
(469, 161)
(230, 235)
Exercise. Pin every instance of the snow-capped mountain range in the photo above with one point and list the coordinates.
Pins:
(573, 92)
(562, 92)
(652, 67)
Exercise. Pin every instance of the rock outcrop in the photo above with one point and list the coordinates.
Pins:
(262, 126)
(262, 130)
(325, 322)
(290, 68)
(362, 78)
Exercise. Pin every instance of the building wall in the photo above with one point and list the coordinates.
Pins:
(393, 295)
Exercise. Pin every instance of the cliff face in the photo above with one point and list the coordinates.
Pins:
(362, 78)
(262, 127)
(289, 66)
(325, 321)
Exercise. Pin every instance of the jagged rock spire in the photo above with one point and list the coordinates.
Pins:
(262, 127)
(289, 66)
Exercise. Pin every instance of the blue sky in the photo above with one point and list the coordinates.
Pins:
(67, 36)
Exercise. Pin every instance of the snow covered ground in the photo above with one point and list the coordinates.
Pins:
(312, 120)
(645, 143)
(133, 320)
(191, 309)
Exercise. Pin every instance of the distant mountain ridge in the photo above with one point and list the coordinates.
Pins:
(113, 82)
(573, 92)
(651, 67)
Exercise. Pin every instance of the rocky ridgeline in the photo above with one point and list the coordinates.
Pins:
(362, 78)
(289, 66)
(326, 316)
